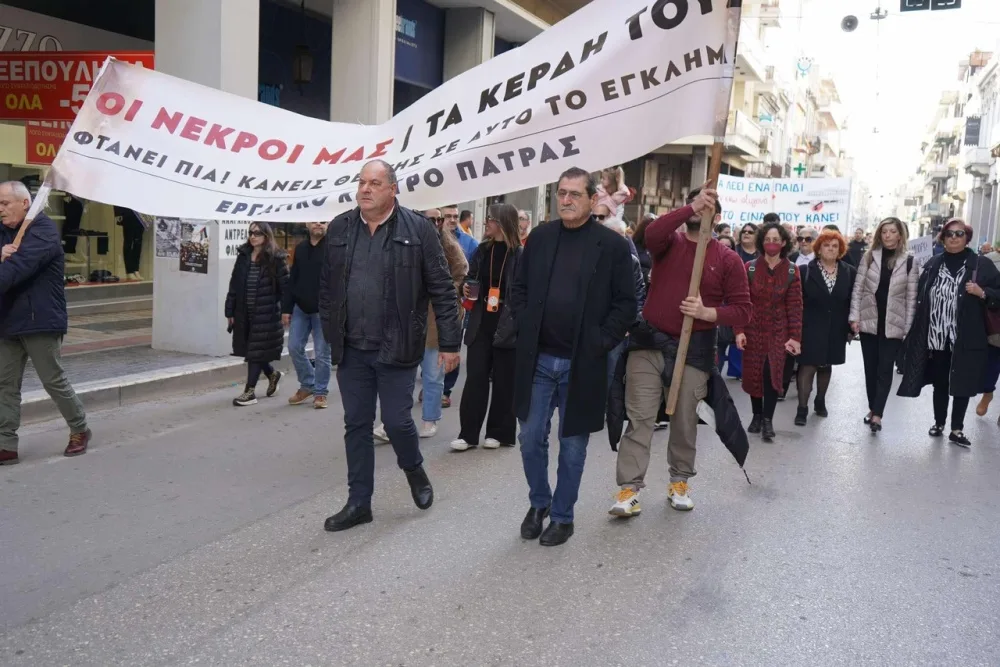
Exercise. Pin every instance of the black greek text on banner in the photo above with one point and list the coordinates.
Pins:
(613, 81)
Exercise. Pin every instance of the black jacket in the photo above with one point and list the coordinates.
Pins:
(32, 294)
(506, 333)
(303, 279)
(825, 315)
(258, 335)
(969, 356)
(607, 306)
(416, 274)
(701, 355)
(855, 251)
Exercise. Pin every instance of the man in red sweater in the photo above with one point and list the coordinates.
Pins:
(724, 299)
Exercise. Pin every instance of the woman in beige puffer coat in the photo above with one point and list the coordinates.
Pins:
(882, 309)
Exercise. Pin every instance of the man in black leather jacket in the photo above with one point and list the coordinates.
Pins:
(383, 264)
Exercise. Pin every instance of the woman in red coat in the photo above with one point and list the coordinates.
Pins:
(775, 331)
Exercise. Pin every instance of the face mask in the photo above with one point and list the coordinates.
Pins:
(773, 249)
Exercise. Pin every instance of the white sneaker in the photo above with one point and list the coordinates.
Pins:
(459, 445)
(626, 503)
(679, 498)
(381, 437)
(429, 430)
(490, 443)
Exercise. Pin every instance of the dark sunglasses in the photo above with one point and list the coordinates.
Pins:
(437, 220)
(954, 234)
(257, 232)
(805, 238)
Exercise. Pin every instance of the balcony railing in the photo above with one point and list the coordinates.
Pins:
(977, 159)
(751, 62)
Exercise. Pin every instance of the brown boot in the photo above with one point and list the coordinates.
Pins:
(984, 404)
(299, 397)
(8, 458)
(78, 443)
(320, 402)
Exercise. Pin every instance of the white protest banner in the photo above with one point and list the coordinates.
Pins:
(816, 202)
(921, 248)
(613, 81)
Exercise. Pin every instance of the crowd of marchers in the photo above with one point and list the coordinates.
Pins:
(581, 319)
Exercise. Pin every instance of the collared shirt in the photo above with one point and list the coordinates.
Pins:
(468, 244)
(366, 286)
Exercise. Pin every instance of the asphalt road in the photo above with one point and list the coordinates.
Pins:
(192, 533)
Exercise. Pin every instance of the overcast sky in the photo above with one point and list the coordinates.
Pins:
(909, 60)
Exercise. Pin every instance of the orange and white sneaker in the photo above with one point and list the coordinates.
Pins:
(626, 503)
(679, 498)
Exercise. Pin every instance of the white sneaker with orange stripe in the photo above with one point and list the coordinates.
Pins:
(679, 498)
(626, 503)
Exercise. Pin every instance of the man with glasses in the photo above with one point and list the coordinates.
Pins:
(469, 245)
(523, 225)
(573, 299)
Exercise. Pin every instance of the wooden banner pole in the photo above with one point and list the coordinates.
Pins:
(704, 235)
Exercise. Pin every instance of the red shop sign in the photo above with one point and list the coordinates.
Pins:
(42, 140)
(52, 85)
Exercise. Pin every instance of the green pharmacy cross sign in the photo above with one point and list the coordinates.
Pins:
(800, 169)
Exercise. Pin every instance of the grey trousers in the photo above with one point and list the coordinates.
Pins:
(44, 352)
(643, 392)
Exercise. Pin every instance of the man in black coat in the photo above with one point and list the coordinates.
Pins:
(33, 320)
(383, 265)
(573, 300)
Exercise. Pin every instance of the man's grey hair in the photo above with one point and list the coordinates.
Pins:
(615, 224)
(18, 189)
(390, 171)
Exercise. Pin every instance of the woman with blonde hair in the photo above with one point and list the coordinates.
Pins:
(882, 308)
(612, 192)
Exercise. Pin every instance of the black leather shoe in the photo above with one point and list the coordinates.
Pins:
(801, 416)
(420, 487)
(349, 517)
(556, 534)
(766, 430)
(754, 425)
(531, 527)
(820, 407)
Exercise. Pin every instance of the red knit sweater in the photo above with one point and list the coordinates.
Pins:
(723, 284)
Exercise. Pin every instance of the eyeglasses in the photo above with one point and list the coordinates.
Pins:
(600, 217)
(490, 218)
(748, 231)
(806, 238)
(257, 232)
(954, 234)
(438, 220)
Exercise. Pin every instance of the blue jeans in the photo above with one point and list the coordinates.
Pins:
(432, 382)
(363, 383)
(312, 379)
(549, 390)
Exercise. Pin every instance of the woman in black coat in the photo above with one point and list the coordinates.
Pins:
(490, 337)
(947, 345)
(827, 285)
(253, 308)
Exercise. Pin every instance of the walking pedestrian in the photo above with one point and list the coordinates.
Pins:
(253, 309)
(490, 337)
(300, 314)
(723, 299)
(827, 287)
(431, 371)
(856, 248)
(33, 320)
(947, 346)
(523, 225)
(639, 240)
(774, 334)
(803, 253)
(384, 264)
(747, 242)
(452, 223)
(882, 309)
(573, 300)
(993, 371)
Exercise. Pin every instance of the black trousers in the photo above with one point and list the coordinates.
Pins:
(364, 382)
(879, 354)
(482, 361)
(764, 406)
(254, 370)
(940, 373)
(132, 246)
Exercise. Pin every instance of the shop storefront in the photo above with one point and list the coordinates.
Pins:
(103, 245)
